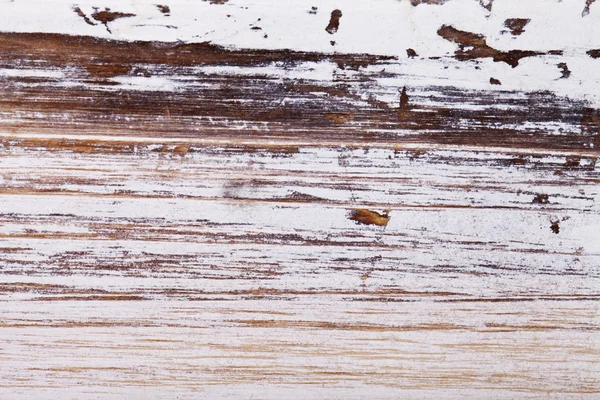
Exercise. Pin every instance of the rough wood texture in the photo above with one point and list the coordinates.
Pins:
(269, 199)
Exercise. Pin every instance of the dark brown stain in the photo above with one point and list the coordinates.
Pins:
(368, 217)
(594, 53)
(586, 9)
(166, 10)
(473, 46)
(334, 22)
(411, 53)
(217, 1)
(541, 199)
(106, 16)
(256, 28)
(555, 227)
(403, 106)
(564, 70)
(516, 25)
(464, 38)
(495, 81)
(79, 12)
(512, 57)
(403, 99)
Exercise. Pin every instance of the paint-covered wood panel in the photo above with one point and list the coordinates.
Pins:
(227, 199)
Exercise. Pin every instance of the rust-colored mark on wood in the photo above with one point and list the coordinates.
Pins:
(368, 217)
(411, 53)
(495, 81)
(181, 150)
(334, 22)
(516, 25)
(472, 46)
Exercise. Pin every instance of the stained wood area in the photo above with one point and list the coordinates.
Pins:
(236, 216)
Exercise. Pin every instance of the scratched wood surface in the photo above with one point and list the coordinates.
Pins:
(299, 199)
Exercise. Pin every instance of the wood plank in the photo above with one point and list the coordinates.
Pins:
(243, 199)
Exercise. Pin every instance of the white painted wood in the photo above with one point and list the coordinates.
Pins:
(153, 247)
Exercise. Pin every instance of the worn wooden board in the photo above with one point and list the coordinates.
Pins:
(293, 199)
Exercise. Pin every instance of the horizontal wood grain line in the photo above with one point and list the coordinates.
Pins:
(526, 207)
(85, 143)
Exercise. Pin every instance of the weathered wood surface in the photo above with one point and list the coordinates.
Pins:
(227, 199)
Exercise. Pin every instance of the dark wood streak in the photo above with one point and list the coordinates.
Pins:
(256, 99)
